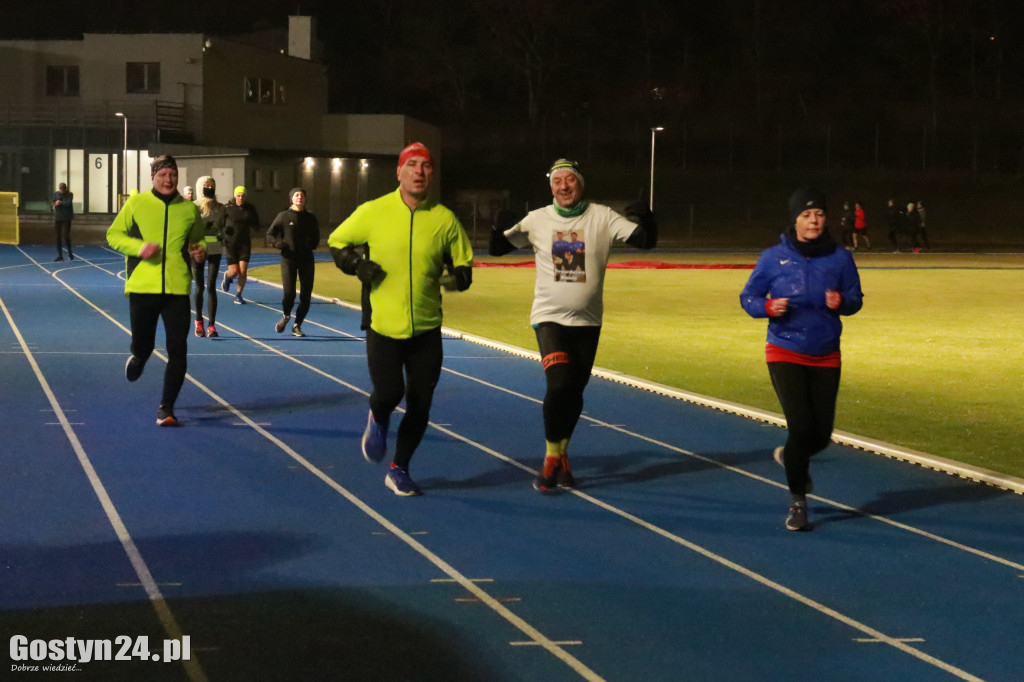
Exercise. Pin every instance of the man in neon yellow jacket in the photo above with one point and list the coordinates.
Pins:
(411, 245)
(159, 232)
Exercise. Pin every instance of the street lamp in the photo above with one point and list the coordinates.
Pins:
(654, 131)
(124, 156)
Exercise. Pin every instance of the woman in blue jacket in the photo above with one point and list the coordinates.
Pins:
(803, 285)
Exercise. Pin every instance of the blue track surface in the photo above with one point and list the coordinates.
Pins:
(258, 530)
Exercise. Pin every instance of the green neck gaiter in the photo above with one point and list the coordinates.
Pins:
(573, 211)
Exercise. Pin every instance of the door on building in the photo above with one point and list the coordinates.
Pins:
(225, 179)
(102, 192)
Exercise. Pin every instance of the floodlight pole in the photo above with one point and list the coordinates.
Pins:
(654, 131)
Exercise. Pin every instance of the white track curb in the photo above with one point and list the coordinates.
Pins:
(949, 466)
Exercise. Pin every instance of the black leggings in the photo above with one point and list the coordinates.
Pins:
(301, 268)
(408, 368)
(567, 354)
(201, 284)
(145, 310)
(808, 398)
(63, 230)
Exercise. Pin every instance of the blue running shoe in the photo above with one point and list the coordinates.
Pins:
(225, 283)
(398, 481)
(375, 440)
(239, 300)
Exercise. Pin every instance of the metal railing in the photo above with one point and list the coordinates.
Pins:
(64, 113)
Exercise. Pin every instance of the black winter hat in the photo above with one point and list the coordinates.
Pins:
(804, 198)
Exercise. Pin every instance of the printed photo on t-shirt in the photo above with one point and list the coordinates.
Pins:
(569, 253)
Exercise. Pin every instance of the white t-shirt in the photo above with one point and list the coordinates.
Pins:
(571, 256)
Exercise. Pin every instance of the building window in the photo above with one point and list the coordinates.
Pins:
(257, 179)
(262, 91)
(62, 81)
(142, 77)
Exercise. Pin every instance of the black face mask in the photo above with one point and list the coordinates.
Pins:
(209, 192)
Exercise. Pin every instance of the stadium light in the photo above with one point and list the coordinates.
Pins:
(654, 131)
(124, 156)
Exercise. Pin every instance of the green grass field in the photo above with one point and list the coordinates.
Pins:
(933, 362)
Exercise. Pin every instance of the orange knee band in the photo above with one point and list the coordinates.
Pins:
(557, 358)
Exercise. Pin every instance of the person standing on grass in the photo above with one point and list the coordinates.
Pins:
(568, 307)
(803, 285)
(63, 214)
(241, 219)
(212, 212)
(410, 238)
(860, 227)
(894, 222)
(296, 232)
(921, 236)
(160, 233)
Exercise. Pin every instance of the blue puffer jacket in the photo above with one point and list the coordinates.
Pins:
(808, 326)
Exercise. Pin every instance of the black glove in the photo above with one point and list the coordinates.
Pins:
(346, 259)
(463, 277)
(503, 220)
(639, 210)
(646, 234)
(369, 272)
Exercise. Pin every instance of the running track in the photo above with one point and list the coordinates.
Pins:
(257, 529)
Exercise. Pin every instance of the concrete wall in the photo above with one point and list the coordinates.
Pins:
(290, 121)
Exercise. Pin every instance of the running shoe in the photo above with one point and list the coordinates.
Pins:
(375, 440)
(58, 259)
(239, 300)
(797, 518)
(200, 330)
(548, 477)
(564, 477)
(225, 283)
(397, 480)
(165, 417)
(211, 332)
(297, 330)
(133, 368)
(282, 323)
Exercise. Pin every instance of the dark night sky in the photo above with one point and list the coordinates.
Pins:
(459, 63)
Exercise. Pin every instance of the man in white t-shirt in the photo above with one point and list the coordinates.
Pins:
(571, 240)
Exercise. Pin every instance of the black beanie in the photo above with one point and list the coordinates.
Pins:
(161, 162)
(292, 191)
(803, 199)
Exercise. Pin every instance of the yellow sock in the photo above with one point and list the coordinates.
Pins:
(554, 449)
(564, 445)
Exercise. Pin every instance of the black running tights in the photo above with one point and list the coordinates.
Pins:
(567, 354)
(808, 398)
(408, 368)
(145, 311)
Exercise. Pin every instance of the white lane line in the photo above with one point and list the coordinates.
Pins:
(821, 608)
(567, 642)
(782, 589)
(167, 620)
(519, 623)
(511, 617)
(743, 472)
